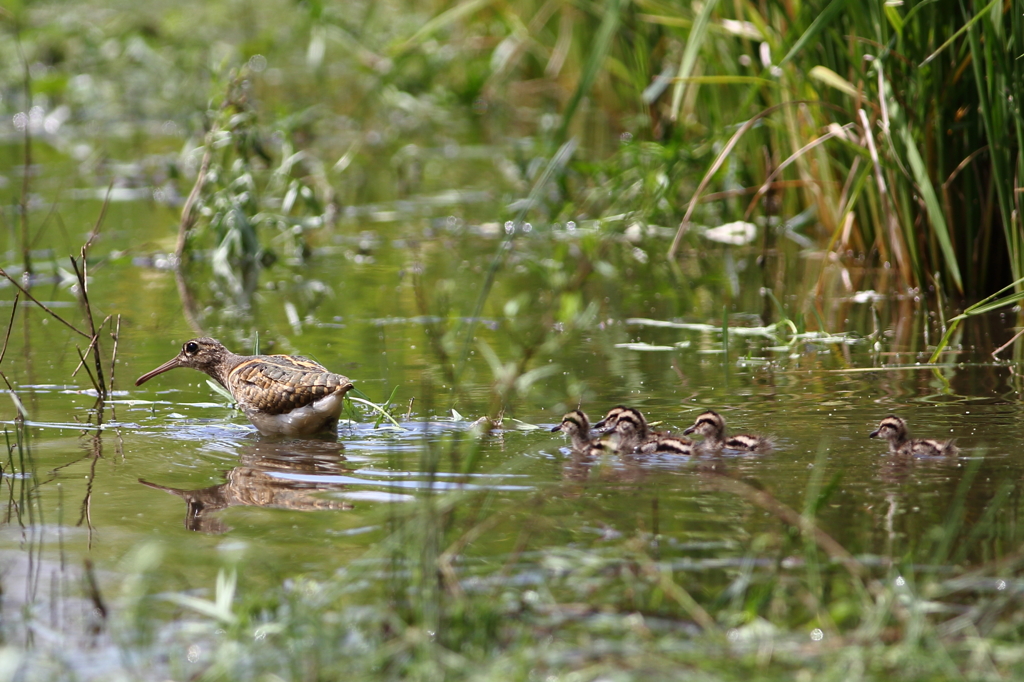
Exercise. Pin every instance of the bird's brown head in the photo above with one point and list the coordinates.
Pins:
(892, 428)
(612, 418)
(631, 425)
(709, 424)
(574, 422)
(205, 354)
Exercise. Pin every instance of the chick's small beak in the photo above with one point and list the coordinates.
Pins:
(557, 428)
(874, 434)
(690, 430)
(169, 365)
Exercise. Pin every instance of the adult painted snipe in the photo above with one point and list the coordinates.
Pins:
(283, 395)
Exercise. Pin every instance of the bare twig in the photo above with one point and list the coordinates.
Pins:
(996, 352)
(22, 414)
(3, 273)
(99, 220)
(10, 326)
(81, 357)
(89, 349)
(82, 274)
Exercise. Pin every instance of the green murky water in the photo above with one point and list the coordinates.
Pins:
(172, 463)
(387, 297)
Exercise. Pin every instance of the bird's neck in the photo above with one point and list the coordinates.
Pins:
(221, 370)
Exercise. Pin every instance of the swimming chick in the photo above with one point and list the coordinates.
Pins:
(634, 436)
(711, 425)
(576, 425)
(894, 430)
(609, 421)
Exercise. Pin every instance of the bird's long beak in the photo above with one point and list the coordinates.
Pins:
(690, 430)
(874, 434)
(169, 365)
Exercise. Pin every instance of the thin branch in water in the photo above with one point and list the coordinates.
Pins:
(3, 273)
(81, 357)
(99, 220)
(20, 406)
(88, 350)
(10, 326)
(995, 353)
(81, 274)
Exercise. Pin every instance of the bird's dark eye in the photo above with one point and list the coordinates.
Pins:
(191, 348)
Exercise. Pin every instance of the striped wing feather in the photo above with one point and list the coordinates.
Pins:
(276, 384)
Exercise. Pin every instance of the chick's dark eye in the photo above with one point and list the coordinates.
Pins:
(191, 347)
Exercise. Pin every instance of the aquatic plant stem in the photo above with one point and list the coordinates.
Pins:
(377, 408)
(698, 32)
(26, 249)
(595, 59)
(983, 306)
(188, 218)
(559, 160)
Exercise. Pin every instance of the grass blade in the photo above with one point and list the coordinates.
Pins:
(602, 42)
(816, 27)
(931, 203)
(689, 58)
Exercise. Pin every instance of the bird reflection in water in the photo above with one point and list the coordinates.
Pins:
(279, 475)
